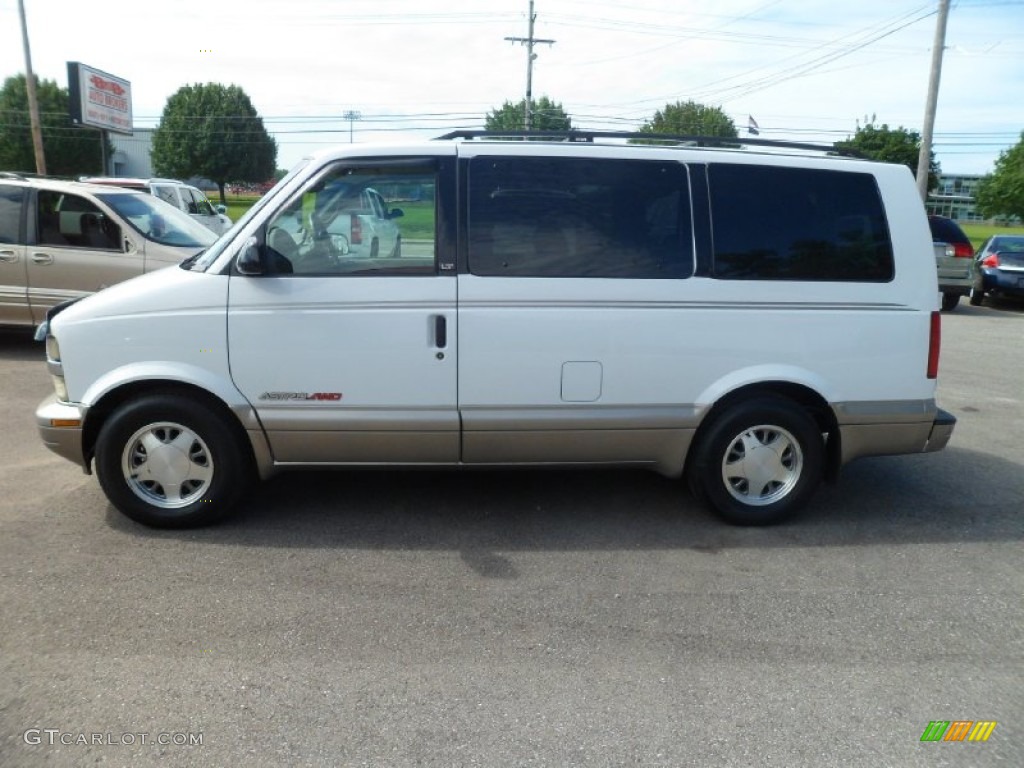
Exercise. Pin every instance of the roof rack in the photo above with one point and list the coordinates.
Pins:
(29, 176)
(588, 137)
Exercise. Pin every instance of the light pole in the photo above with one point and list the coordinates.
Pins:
(924, 158)
(351, 115)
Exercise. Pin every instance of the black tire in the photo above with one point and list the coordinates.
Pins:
(396, 252)
(374, 248)
(205, 468)
(977, 296)
(949, 301)
(767, 425)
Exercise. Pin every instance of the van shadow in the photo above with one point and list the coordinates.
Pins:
(17, 344)
(891, 500)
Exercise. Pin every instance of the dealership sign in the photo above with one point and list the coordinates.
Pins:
(99, 100)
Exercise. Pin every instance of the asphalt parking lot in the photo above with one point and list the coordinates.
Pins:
(536, 618)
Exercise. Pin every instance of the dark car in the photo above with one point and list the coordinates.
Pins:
(954, 259)
(999, 268)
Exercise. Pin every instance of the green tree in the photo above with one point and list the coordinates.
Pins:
(1001, 193)
(547, 115)
(891, 145)
(69, 150)
(688, 118)
(213, 130)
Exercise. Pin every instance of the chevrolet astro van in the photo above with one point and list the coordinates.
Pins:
(749, 317)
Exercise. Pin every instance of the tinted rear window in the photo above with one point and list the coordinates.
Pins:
(772, 223)
(946, 231)
(574, 217)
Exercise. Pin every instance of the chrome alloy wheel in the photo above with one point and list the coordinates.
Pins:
(167, 465)
(762, 465)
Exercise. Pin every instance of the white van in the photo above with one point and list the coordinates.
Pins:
(749, 318)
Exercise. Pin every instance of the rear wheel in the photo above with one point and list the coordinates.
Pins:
(167, 461)
(949, 301)
(759, 461)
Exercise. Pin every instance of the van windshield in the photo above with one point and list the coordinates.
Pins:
(157, 221)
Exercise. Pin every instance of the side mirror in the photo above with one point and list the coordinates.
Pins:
(249, 262)
(396, 213)
(223, 209)
(129, 245)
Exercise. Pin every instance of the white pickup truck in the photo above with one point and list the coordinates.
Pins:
(184, 197)
(358, 223)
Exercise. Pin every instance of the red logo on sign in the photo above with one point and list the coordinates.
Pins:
(106, 85)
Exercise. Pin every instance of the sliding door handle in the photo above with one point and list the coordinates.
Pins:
(440, 331)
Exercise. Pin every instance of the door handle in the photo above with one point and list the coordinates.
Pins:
(8, 257)
(440, 331)
(42, 258)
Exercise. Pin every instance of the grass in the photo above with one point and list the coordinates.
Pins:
(980, 232)
(417, 222)
(237, 204)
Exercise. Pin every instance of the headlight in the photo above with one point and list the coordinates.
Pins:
(60, 387)
(52, 348)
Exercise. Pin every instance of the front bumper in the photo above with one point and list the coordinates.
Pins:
(60, 427)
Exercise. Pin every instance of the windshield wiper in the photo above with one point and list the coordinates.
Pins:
(187, 263)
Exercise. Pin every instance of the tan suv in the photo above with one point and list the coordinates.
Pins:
(60, 240)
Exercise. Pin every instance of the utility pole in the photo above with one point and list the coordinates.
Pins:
(352, 115)
(933, 100)
(33, 102)
(529, 41)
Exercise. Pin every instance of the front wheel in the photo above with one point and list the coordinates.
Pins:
(977, 296)
(167, 461)
(759, 461)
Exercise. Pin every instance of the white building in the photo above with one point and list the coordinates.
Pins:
(132, 154)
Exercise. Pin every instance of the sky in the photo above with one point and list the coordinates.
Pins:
(807, 70)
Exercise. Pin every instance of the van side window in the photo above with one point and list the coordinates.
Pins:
(573, 217)
(10, 214)
(357, 221)
(771, 223)
(70, 220)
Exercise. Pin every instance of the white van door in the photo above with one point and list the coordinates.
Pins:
(350, 359)
(570, 349)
